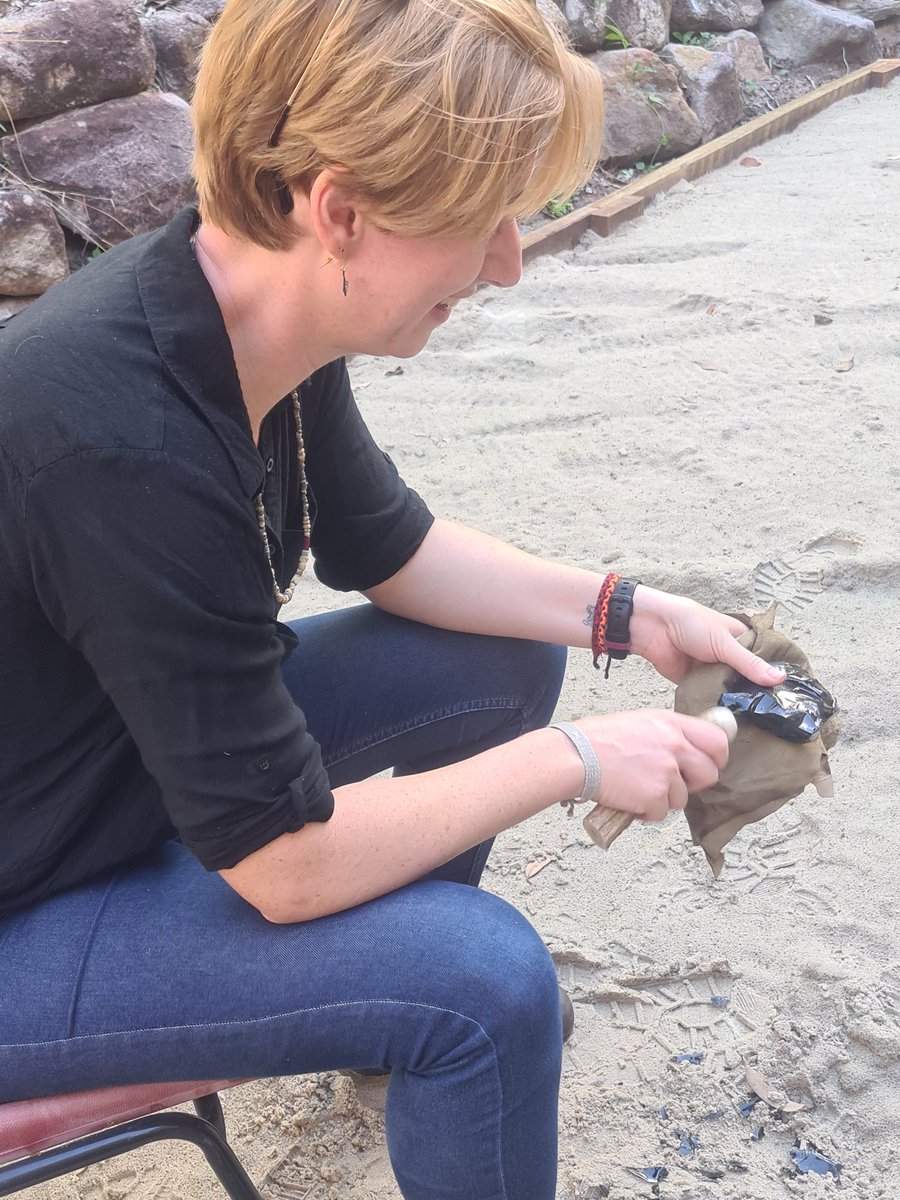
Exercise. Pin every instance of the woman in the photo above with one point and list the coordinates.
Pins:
(198, 875)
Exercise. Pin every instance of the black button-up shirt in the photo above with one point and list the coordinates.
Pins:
(141, 694)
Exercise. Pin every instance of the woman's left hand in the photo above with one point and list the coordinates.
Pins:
(675, 633)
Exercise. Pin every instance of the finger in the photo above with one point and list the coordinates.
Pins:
(678, 794)
(748, 664)
(709, 739)
(698, 770)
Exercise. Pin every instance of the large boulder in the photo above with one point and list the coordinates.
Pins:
(872, 10)
(70, 53)
(554, 16)
(889, 37)
(32, 244)
(118, 168)
(647, 118)
(643, 23)
(178, 38)
(795, 32)
(716, 16)
(587, 23)
(710, 83)
(744, 50)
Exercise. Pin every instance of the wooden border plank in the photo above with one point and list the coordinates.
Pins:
(603, 216)
(615, 211)
(884, 71)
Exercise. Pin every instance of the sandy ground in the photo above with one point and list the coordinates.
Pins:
(665, 401)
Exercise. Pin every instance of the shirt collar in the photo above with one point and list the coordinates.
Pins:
(190, 335)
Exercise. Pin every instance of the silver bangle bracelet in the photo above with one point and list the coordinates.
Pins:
(588, 756)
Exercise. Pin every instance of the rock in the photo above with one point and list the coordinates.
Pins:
(647, 117)
(209, 10)
(717, 16)
(710, 83)
(178, 38)
(889, 37)
(587, 23)
(554, 16)
(745, 52)
(872, 10)
(32, 244)
(71, 53)
(795, 32)
(644, 23)
(10, 305)
(119, 168)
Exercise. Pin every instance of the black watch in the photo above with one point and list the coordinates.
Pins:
(618, 620)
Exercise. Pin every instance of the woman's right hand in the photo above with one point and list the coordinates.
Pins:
(651, 759)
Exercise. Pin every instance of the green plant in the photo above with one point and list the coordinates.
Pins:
(614, 36)
(559, 208)
(689, 38)
(638, 69)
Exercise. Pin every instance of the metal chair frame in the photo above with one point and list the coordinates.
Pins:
(205, 1130)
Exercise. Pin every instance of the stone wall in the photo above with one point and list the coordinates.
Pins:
(95, 137)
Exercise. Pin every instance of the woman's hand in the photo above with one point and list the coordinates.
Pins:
(674, 634)
(650, 760)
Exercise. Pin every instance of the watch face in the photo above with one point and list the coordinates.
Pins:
(794, 710)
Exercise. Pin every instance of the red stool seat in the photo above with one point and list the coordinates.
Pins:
(29, 1126)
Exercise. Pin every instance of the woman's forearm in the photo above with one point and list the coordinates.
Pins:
(465, 580)
(387, 832)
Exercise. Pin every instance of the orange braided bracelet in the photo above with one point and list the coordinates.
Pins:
(601, 615)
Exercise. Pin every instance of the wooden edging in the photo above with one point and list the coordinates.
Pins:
(603, 216)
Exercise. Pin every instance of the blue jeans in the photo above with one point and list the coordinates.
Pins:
(160, 971)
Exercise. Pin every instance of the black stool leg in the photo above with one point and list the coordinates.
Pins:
(210, 1109)
(98, 1147)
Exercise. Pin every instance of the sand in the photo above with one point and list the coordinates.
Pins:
(664, 401)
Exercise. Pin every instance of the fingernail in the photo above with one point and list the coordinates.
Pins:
(774, 673)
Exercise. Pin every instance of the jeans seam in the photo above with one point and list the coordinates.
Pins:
(256, 1021)
(443, 714)
(250, 1021)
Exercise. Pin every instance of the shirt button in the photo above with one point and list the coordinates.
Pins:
(270, 465)
(263, 764)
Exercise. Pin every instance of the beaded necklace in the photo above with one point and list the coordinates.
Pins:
(280, 596)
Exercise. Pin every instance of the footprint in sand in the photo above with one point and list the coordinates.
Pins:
(764, 863)
(699, 1011)
(795, 579)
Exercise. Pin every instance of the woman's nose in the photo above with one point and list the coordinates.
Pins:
(503, 260)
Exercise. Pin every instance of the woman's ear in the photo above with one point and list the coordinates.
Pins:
(338, 220)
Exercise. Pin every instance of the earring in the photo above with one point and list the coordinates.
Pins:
(345, 286)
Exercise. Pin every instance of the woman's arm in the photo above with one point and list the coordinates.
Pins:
(385, 833)
(461, 579)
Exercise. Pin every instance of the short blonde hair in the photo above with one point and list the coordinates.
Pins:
(444, 116)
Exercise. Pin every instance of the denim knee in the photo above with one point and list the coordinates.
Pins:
(490, 966)
(541, 667)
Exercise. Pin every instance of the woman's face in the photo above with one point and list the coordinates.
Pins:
(404, 288)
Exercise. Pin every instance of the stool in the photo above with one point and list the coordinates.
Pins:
(44, 1138)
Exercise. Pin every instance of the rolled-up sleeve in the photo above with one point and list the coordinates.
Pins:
(156, 573)
(368, 522)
